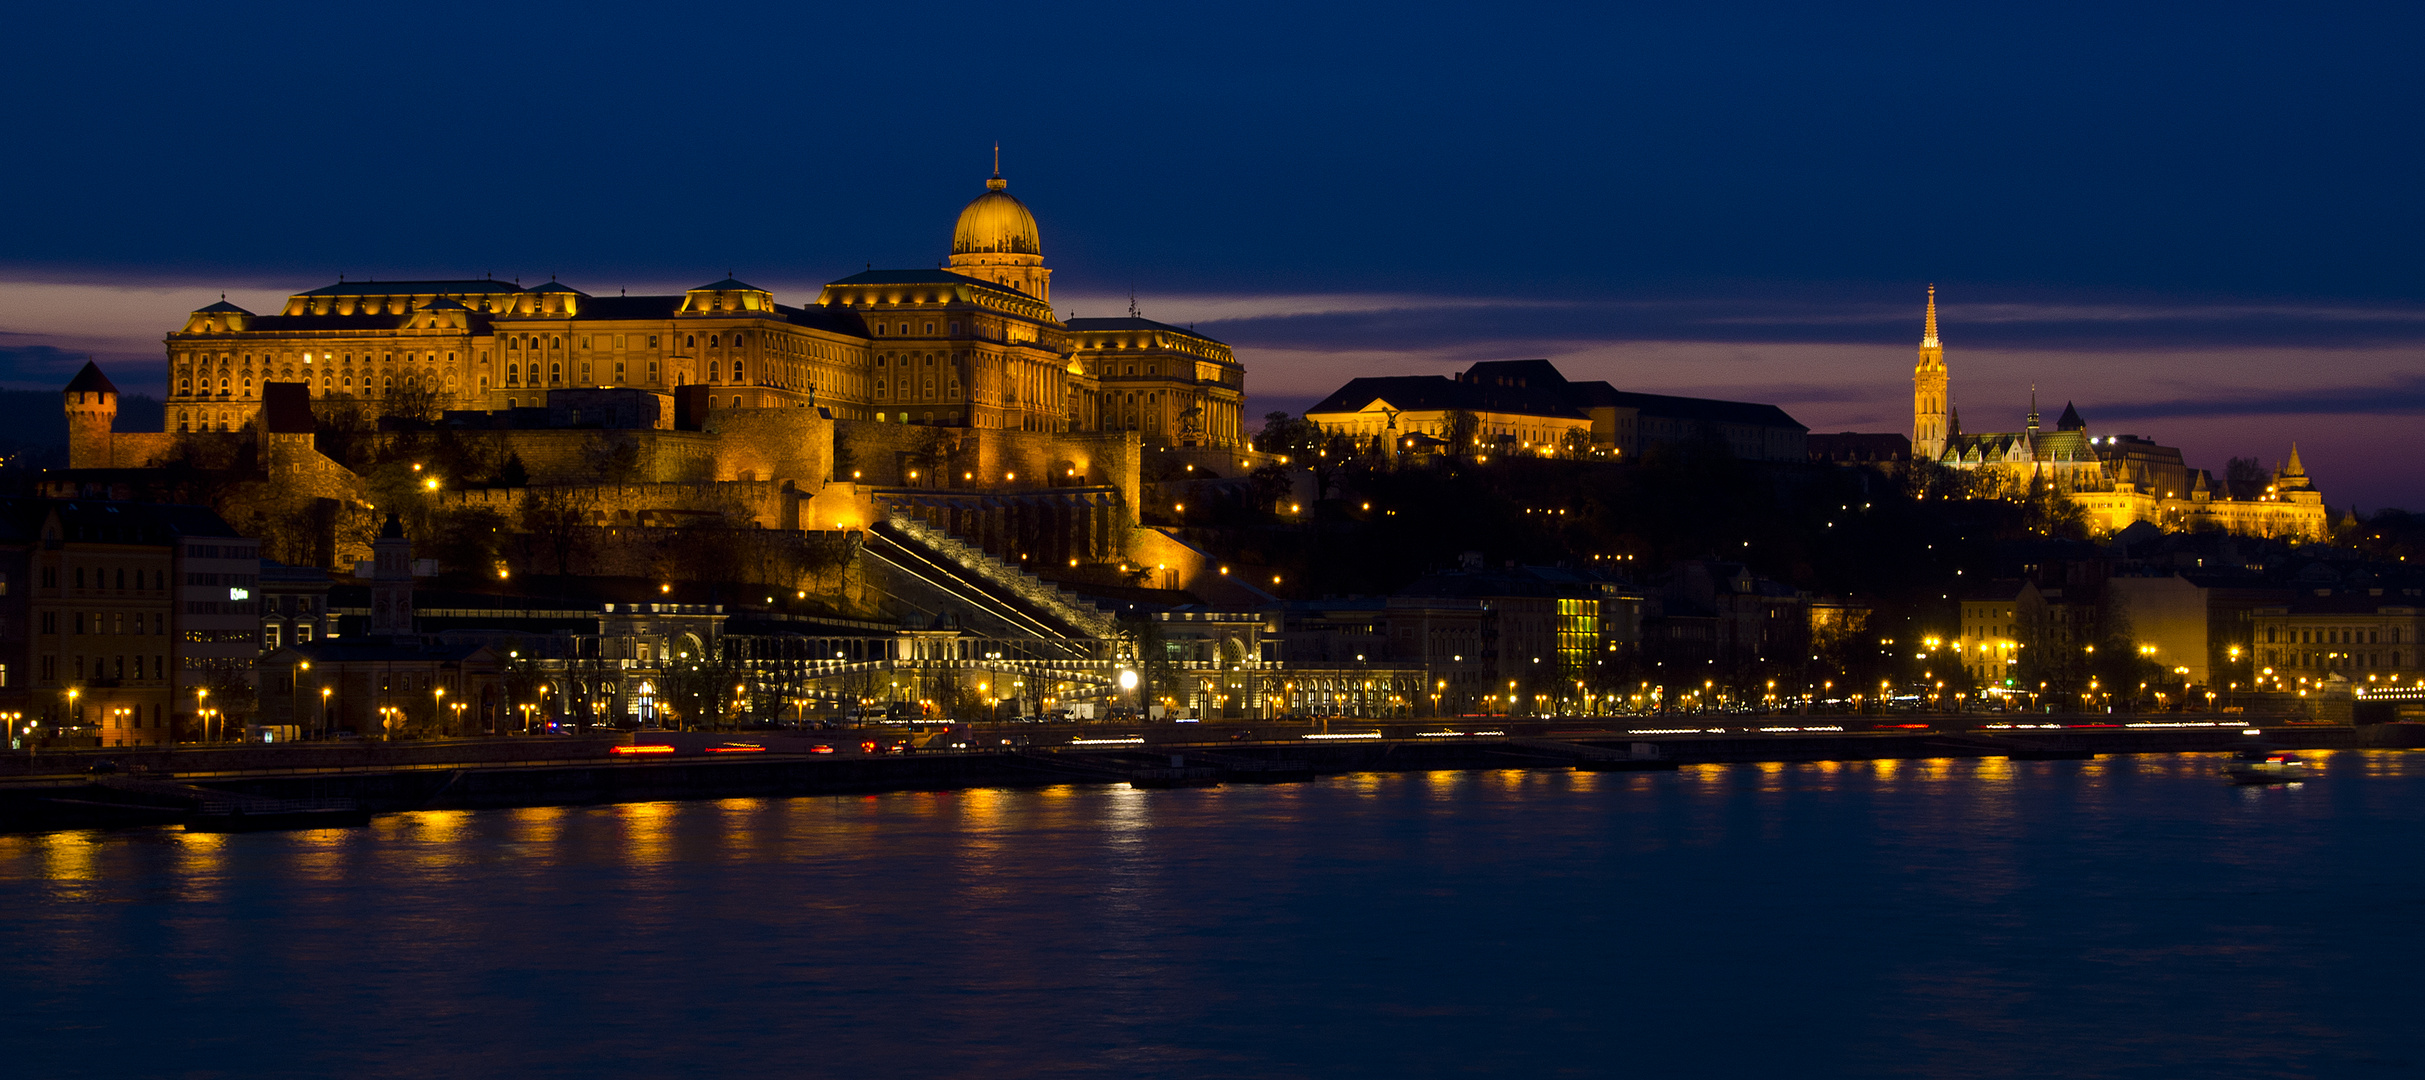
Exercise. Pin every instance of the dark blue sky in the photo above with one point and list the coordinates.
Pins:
(2130, 189)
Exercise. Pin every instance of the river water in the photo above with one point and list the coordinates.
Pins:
(2128, 917)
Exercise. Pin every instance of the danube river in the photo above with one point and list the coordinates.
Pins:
(2128, 917)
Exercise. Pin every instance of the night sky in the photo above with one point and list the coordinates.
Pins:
(2200, 222)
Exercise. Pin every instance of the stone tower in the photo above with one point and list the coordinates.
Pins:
(92, 408)
(1931, 408)
(391, 582)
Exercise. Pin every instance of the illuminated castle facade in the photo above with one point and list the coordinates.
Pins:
(973, 346)
(2116, 479)
(955, 396)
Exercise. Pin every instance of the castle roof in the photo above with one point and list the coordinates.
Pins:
(222, 307)
(1424, 393)
(1130, 323)
(726, 285)
(2070, 420)
(91, 380)
(397, 288)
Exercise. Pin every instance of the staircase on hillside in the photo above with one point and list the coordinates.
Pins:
(1075, 616)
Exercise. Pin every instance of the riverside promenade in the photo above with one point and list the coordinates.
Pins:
(135, 787)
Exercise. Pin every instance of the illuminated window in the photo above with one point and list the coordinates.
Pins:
(555, 373)
(513, 374)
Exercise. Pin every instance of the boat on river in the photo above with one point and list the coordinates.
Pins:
(2266, 767)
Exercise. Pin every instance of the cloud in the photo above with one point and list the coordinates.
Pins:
(43, 367)
(2400, 397)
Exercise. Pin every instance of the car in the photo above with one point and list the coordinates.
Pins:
(103, 767)
(821, 748)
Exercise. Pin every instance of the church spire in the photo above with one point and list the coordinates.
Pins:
(1933, 422)
(2033, 406)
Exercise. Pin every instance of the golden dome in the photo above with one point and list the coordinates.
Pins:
(996, 223)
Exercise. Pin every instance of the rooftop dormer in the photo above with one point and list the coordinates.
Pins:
(728, 297)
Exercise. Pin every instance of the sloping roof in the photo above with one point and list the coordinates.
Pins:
(286, 407)
(726, 285)
(839, 320)
(393, 288)
(444, 304)
(1423, 393)
(1709, 410)
(300, 323)
(924, 277)
(1127, 323)
(554, 286)
(221, 307)
(91, 380)
(2070, 420)
(629, 307)
(1529, 374)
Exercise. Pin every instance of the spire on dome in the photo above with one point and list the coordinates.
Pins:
(996, 183)
(1928, 336)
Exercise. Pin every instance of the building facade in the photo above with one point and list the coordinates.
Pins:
(976, 345)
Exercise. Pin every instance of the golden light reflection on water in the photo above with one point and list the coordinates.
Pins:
(647, 831)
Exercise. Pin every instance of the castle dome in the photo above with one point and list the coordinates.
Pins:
(996, 223)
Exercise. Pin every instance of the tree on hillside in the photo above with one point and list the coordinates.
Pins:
(2246, 478)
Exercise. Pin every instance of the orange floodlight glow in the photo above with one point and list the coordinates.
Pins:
(644, 748)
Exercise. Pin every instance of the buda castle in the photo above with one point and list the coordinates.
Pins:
(956, 395)
(976, 345)
(2117, 479)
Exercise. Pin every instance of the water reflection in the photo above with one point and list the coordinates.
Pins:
(1943, 917)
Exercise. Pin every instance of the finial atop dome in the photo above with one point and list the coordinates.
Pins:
(996, 183)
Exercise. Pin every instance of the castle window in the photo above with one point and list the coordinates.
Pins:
(388, 383)
(483, 384)
(652, 371)
(736, 401)
(513, 344)
(513, 374)
(652, 341)
(690, 341)
(712, 369)
(930, 329)
(618, 371)
(555, 373)
(584, 371)
(555, 343)
(585, 342)
(711, 341)
(736, 371)
(954, 327)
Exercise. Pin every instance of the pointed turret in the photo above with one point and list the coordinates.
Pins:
(92, 413)
(2290, 468)
(2070, 420)
(1931, 395)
